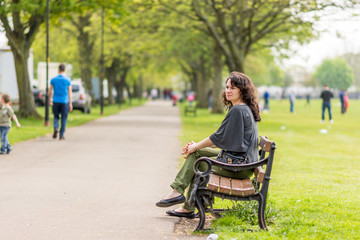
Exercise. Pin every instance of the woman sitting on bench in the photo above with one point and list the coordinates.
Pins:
(237, 136)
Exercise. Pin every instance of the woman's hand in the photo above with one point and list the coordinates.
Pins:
(185, 148)
(189, 148)
(193, 146)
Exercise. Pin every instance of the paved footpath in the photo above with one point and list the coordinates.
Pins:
(102, 182)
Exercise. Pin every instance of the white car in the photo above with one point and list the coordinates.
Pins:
(81, 100)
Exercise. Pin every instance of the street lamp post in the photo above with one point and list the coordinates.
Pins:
(47, 123)
(101, 79)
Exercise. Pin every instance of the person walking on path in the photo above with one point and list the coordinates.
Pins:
(342, 101)
(5, 123)
(61, 100)
(237, 135)
(326, 96)
(292, 101)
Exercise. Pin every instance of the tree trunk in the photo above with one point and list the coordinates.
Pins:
(118, 93)
(194, 81)
(138, 88)
(122, 85)
(111, 77)
(202, 93)
(27, 103)
(235, 64)
(110, 88)
(120, 89)
(129, 93)
(239, 66)
(217, 106)
(85, 51)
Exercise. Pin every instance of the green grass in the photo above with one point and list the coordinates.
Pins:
(315, 184)
(32, 128)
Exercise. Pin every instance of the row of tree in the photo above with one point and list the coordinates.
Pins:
(148, 41)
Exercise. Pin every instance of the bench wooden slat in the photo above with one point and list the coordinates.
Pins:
(242, 187)
(214, 183)
(231, 186)
(265, 144)
(259, 174)
(225, 185)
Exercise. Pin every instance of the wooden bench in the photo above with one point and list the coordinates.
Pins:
(208, 185)
(190, 109)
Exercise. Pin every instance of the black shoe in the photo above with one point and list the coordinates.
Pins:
(171, 201)
(189, 215)
(55, 134)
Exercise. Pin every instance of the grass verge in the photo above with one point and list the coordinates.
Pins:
(32, 128)
(315, 185)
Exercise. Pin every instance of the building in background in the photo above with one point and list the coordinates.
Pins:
(8, 82)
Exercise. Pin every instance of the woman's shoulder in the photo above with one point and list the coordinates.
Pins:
(240, 108)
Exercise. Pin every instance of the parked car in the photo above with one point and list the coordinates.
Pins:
(81, 100)
(39, 97)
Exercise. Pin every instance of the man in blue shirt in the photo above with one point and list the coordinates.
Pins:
(266, 100)
(61, 99)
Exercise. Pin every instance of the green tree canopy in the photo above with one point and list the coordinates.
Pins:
(21, 21)
(336, 73)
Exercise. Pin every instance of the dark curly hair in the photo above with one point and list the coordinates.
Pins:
(248, 93)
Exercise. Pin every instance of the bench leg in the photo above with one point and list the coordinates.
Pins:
(261, 213)
(201, 208)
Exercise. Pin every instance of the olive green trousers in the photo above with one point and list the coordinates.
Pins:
(185, 176)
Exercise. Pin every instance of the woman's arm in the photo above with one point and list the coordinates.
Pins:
(195, 146)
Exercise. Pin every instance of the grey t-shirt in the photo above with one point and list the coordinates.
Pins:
(237, 132)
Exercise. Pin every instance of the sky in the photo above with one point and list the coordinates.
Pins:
(339, 34)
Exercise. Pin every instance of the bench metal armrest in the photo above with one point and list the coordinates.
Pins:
(230, 167)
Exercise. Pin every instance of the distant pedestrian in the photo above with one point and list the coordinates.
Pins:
(308, 97)
(292, 101)
(190, 97)
(174, 98)
(266, 100)
(342, 101)
(210, 100)
(154, 94)
(5, 123)
(326, 96)
(346, 101)
(60, 96)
